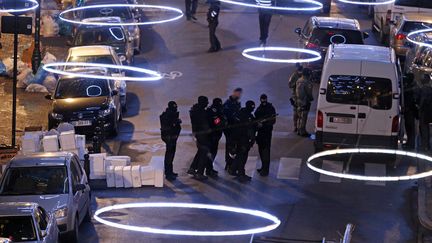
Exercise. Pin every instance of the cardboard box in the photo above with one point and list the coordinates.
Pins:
(97, 166)
(136, 176)
(110, 177)
(147, 175)
(118, 175)
(127, 176)
(50, 143)
(67, 140)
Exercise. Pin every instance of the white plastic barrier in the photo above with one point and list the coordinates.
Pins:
(110, 177)
(157, 162)
(31, 142)
(136, 176)
(127, 176)
(50, 143)
(67, 140)
(117, 161)
(147, 175)
(80, 145)
(118, 175)
(97, 166)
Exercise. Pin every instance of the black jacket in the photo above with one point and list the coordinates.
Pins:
(217, 120)
(213, 14)
(231, 108)
(198, 116)
(266, 117)
(170, 124)
(245, 128)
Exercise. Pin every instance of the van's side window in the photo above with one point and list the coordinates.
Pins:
(355, 90)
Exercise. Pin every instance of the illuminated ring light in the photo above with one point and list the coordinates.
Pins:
(52, 68)
(369, 151)
(317, 55)
(176, 10)
(35, 5)
(259, 214)
(338, 35)
(367, 3)
(317, 5)
(418, 42)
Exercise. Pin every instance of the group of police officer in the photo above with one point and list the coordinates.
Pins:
(242, 127)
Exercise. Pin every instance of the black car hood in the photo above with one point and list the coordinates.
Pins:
(80, 104)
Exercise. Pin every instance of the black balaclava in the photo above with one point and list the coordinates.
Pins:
(217, 102)
(203, 101)
(172, 106)
(250, 106)
(263, 99)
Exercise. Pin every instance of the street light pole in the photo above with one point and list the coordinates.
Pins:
(15, 80)
(36, 57)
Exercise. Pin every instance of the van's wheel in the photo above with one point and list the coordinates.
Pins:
(73, 235)
(88, 216)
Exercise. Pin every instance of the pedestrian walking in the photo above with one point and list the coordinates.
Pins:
(265, 16)
(170, 131)
(191, 8)
(265, 116)
(410, 111)
(292, 85)
(213, 22)
(217, 122)
(200, 130)
(304, 98)
(244, 137)
(425, 111)
(231, 107)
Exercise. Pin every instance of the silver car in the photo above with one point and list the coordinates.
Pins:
(403, 26)
(56, 181)
(29, 222)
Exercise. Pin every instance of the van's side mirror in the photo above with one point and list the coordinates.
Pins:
(298, 31)
(365, 35)
(48, 97)
(79, 187)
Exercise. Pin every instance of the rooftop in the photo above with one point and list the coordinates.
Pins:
(362, 52)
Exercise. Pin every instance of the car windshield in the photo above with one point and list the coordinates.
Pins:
(326, 36)
(107, 36)
(81, 88)
(368, 91)
(123, 12)
(410, 26)
(414, 3)
(35, 181)
(105, 59)
(17, 228)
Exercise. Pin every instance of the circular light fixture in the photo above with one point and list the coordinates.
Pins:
(259, 214)
(53, 68)
(26, 6)
(369, 151)
(409, 37)
(316, 5)
(343, 38)
(368, 3)
(106, 8)
(317, 55)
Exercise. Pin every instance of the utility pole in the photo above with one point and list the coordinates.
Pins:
(37, 57)
(15, 80)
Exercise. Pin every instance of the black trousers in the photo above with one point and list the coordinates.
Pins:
(202, 157)
(424, 133)
(230, 147)
(264, 22)
(191, 7)
(214, 146)
(409, 119)
(241, 159)
(264, 145)
(171, 146)
(214, 41)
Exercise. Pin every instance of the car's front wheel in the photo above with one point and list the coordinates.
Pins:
(115, 129)
(73, 235)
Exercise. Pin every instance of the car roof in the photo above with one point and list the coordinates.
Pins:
(41, 159)
(95, 50)
(417, 17)
(362, 53)
(17, 208)
(336, 23)
(111, 19)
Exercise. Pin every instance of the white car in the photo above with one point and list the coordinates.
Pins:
(358, 102)
(387, 14)
(104, 55)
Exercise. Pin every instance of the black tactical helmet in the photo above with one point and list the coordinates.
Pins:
(250, 105)
(217, 102)
(203, 101)
(172, 105)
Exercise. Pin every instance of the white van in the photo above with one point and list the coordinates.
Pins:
(358, 101)
(387, 14)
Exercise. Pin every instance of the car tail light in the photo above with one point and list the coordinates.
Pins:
(400, 37)
(388, 16)
(320, 120)
(311, 45)
(395, 124)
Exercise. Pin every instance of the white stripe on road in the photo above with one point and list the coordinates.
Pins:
(333, 166)
(289, 168)
(372, 169)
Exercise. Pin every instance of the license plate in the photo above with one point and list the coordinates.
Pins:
(345, 120)
(82, 123)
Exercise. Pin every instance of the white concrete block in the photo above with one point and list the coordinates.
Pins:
(118, 175)
(67, 140)
(50, 143)
(127, 176)
(136, 176)
(110, 177)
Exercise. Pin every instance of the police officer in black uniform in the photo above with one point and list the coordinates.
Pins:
(217, 122)
(244, 137)
(231, 107)
(170, 131)
(410, 111)
(201, 131)
(265, 115)
(213, 21)
(191, 8)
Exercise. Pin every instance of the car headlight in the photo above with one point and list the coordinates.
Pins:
(105, 112)
(61, 212)
(57, 116)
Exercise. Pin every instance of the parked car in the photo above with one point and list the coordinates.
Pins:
(27, 222)
(406, 24)
(82, 101)
(319, 32)
(105, 55)
(56, 181)
(416, 53)
(422, 66)
(358, 101)
(115, 36)
(126, 14)
(386, 14)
